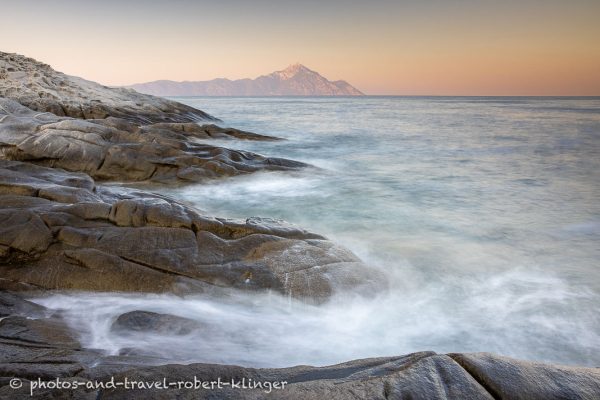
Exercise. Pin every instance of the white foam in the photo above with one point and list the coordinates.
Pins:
(516, 313)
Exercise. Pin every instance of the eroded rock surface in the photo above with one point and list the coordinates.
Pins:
(39, 87)
(119, 150)
(59, 230)
(507, 378)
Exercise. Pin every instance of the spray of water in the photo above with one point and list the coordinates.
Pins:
(516, 313)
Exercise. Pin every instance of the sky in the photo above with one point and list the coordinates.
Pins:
(394, 47)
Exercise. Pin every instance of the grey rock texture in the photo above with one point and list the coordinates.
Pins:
(146, 321)
(11, 304)
(40, 88)
(295, 80)
(59, 230)
(507, 378)
(119, 150)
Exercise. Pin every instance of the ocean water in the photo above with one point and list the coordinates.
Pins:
(483, 212)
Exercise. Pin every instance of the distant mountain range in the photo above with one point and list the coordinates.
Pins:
(295, 80)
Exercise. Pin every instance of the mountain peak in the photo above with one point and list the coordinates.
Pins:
(292, 70)
(295, 67)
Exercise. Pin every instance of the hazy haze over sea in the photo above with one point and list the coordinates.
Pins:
(485, 213)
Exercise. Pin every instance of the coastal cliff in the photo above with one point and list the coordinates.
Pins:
(63, 226)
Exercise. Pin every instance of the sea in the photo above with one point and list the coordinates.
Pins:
(483, 212)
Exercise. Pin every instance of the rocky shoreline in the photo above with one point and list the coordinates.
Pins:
(63, 226)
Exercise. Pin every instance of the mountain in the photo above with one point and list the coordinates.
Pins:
(295, 80)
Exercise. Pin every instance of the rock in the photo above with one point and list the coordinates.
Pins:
(84, 236)
(23, 231)
(13, 305)
(508, 378)
(424, 375)
(416, 376)
(208, 131)
(146, 321)
(337, 269)
(119, 150)
(45, 331)
(40, 88)
(34, 343)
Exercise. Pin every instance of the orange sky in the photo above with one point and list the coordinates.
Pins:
(426, 47)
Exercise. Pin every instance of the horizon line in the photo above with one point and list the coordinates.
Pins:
(398, 95)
